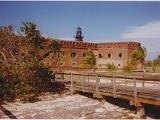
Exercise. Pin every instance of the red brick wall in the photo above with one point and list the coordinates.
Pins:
(113, 48)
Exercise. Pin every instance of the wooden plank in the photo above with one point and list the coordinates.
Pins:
(88, 77)
(126, 81)
(122, 77)
(71, 78)
(83, 83)
(96, 94)
(97, 81)
(135, 91)
(140, 110)
(114, 87)
(121, 87)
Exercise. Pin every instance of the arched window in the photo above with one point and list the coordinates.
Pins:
(109, 55)
(73, 55)
(100, 55)
(73, 64)
(84, 54)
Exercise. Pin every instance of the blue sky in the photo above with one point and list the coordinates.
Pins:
(100, 21)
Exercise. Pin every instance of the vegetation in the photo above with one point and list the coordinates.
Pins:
(111, 67)
(32, 33)
(89, 60)
(54, 54)
(139, 56)
(129, 67)
(22, 71)
(154, 64)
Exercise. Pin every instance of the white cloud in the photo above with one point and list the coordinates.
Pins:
(148, 35)
(148, 30)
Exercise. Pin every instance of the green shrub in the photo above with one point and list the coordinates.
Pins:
(21, 72)
(21, 79)
(129, 67)
(111, 67)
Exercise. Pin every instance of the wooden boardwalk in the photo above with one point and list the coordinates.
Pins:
(137, 90)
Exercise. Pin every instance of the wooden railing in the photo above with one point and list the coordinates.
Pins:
(133, 88)
(138, 90)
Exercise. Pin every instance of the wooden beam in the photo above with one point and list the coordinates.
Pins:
(83, 83)
(114, 87)
(131, 102)
(97, 86)
(126, 81)
(72, 85)
(140, 110)
(135, 91)
(147, 96)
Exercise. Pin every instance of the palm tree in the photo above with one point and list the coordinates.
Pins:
(139, 55)
(29, 29)
(56, 56)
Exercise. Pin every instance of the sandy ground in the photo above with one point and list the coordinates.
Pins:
(66, 106)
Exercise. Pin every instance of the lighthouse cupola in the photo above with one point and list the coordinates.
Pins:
(78, 36)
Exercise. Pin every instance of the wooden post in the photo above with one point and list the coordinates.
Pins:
(140, 110)
(63, 77)
(83, 83)
(114, 87)
(71, 78)
(96, 94)
(126, 81)
(97, 87)
(131, 102)
(88, 77)
(143, 82)
(135, 91)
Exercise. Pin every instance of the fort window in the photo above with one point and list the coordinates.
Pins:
(120, 55)
(100, 56)
(73, 55)
(84, 54)
(73, 64)
(109, 55)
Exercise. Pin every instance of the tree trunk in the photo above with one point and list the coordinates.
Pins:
(4, 57)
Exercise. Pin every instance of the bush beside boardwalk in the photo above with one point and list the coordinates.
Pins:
(22, 71)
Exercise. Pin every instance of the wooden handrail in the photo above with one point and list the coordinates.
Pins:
(110, 76)
(114, 87)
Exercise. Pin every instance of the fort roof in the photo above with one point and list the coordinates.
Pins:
(92, 45)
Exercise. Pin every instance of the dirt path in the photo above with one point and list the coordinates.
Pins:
(65, 106)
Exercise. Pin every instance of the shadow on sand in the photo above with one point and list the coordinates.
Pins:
(7, 112)
(150, 110)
